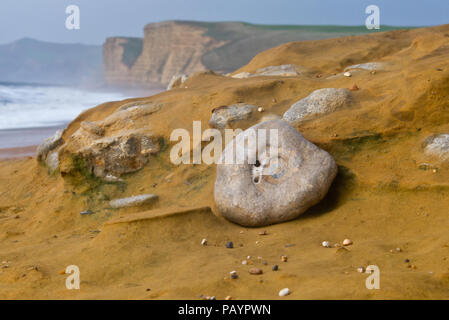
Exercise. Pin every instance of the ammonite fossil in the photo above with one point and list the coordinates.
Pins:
(276, 181)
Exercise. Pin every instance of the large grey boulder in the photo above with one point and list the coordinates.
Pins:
(319, 102)
(222, 116)
(273, 189)
(438, 146)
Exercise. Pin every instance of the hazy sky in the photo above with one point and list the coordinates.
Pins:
(45, 19)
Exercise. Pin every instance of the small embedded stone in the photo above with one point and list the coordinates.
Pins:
(284, 292)
(255, 271)
(326, 244)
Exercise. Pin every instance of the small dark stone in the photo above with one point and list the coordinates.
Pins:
(406, 260)
(234, 276)
(86, 212)
(148, 289)
(275, 267)
(229, 245)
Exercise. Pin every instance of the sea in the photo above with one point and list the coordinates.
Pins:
(31, 112)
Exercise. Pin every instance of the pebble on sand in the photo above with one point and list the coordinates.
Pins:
(244, 262)
(229, 245)
(275, 267)
(284, 292)
(228, 298)
(133, 201)
(262, 233)
(361, 269)
(255, 271)
(204, 242)
(347, 74)
(347, 242)
(284, 258)
(326, 244)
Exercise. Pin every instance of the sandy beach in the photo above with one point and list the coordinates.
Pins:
(17, 143)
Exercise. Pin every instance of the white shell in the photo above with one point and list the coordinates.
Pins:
(347, 74)
(284, 292)
(347, 242)
(326, 244)
(204, 242)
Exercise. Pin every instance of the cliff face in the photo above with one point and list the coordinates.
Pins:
(169, 48)
(115, 70)
(183, 47)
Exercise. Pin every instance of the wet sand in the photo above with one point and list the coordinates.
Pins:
(19, 143)
(19, 138)
(20, 152)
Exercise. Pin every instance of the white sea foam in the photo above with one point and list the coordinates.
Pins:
(34, 106)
